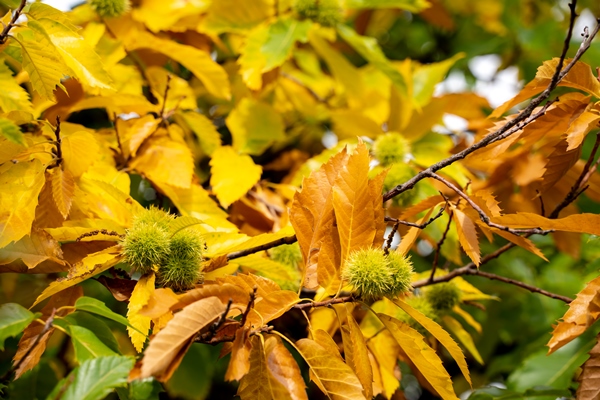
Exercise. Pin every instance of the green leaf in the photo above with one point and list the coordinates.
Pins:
(96, 378)
(9, 130)
(13, 320)
(494, 393)
(77, 54)
(87, 345)
(96, 325)
(556, 370)
(97, 307)
(413, 6)
(145, 389)
(369, 49)
(254, 126)
(12, 96)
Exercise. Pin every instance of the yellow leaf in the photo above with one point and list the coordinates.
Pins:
(285, 276)
(80, 150)
(440, 334)
(11, 131)
(376, 194)
(212, 75)
(135, 131)
(75, 229)
(589, 387)
(582, 313)
(20, 185)
(180, 94)
(467, 235)
(424, 357)
(456, 328)
(233, 16)
(162, 356)
(91, 265)
(357, 354)
(232, 175)
(166, 161)
(63, 188)
(409, 239)
(117, 104)
(205, 131)
(12, 96)
(350, 123)
(33, 249)
(468, 318)
(254, 126)
(41, 60)
(158, 15)
(144, 288)
(352, 204)
(106, 201)
(330, 372)
(77, 54)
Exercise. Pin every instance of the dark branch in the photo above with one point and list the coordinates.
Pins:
(262, 247)
(388, 243)
(415, 225)
(439, 247)
(325, 303)
(250, 305)
(12, 23)
(58, 155)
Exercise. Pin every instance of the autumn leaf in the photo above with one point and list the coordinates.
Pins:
(463, 336)
(559, 162)
(467, 235)
(272, 306)
(582, 313)
(232, 175)
(254, 126)
(240, 362)
(588, 380)
(163, 354)
(423, 356)
(32, 250)
(139, 298)
(13, 96)
(357, 354)
(582, 223)
(63, 189)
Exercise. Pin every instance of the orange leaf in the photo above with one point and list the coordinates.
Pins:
(163, 354)
(312, 214)
(283, 368)
(357, 354)
(559, 162)
(582, 223)
(520, 241)
(375, 193)
(239, 364)
(330, 372)
(161, 302)
(63, 189)
(589, 387)
(411, 236)
(580, 127)
(582, 313)
(248, 282)
(272, 306)
(424, 357)
(352, 204)
(224, 291)
(467, 235)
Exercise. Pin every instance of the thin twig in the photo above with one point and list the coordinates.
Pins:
(13, 21)
(115, 119)
(167, 87)
(262, 247)
(231, 338)
(250, 305)
(390, 238)
(58, 146)
(215, 327)
(325, 303)
(415, 225)
(524, 118)
(482, 215)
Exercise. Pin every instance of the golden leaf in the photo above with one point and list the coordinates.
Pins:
(166, 161)
(589, 386)
(12, 96)
(375, 192)
(440, 334)
(272, 306)
(140, 296)
(63, 302)
(357, 354)
(135, 131)
(80, 150)
(91, 265)
(283, 368)
(163, 354)
(582, 313)
(232, 16)
(580, 127)
(422, 356)
(409, 239)
(467, 235)
(582, 223)
(232, 174)
(465, 338)
(33, 249)
(63, 189)
(224, 291)
(558, 163)
(204, 129)
(20, 185)
(248, 281)
(330, 372)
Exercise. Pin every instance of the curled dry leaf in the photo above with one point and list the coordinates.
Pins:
(166, 349)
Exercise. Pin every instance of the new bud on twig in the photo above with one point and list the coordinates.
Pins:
(444, 296)
(110, 8)
(374, 275)
(325, 12)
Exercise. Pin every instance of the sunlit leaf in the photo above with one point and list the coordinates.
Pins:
(232, 174)
(63, 189)
(254, 126)
(357, 355)
(241, 349)
(13, 97)
(204, 129)
(232, 16)
(409, 5)
(139, 298)
(467, 235)
(463, 336)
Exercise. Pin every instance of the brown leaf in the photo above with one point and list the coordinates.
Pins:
(312, 214)
(63, 189)
(120, 288)
(582, 313)
(558, 163)
(161, 302)
(353, 205)
(467, 235)
(283, 368)
(215, 263)
(239, 364)
(65, 298)
(166, 349)
(589, 380)
(47, 214)
(249, 281)
(224, 291)
(330, 372)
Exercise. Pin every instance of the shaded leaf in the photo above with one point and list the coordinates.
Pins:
(13, 320)
(463, 336)
(283, 368)
(161, 357)
(582, 223)
(580, 127)
(33, 249)
(11, 131)
(139, 298)
(272, 306)
(241, 351)
(589, 387)
(559, 162)
(254, 126)
(96, 378)
(97, 307)
(87, 345)
(413, 6)
(232, 16)
(357, 354)
(13, 97)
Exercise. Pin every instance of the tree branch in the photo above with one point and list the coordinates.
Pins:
(325, 303)
(415, 225)
(262, 247)
(13, 22)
